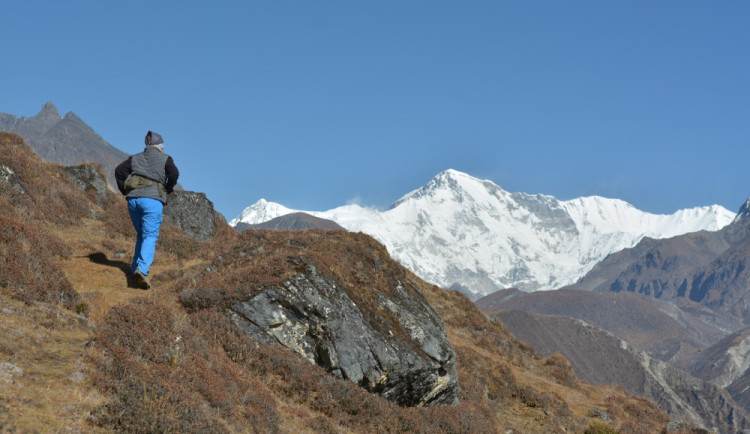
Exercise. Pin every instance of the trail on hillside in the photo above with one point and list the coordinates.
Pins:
(47, 381)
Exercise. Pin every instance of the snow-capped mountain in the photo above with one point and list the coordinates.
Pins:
(462, 232)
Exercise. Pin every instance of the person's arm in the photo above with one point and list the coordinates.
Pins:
(172, 174)
(121, 174)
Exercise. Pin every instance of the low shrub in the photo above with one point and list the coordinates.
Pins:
(173, 242)
(559, 368)
(29, 263)
(163, 374)
(49, 194)
(596, 427)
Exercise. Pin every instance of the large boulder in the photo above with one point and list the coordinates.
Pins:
(338, 300)
(193, 214)
(411, 364)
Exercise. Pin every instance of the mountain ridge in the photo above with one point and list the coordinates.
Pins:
(501, 239)
(66, 140)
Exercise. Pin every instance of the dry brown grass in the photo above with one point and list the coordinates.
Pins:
(29, 263)
(50, 195)
(51, 389)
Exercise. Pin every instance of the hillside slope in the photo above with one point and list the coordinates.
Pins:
(601, 358)
(174, 358)
(631, 317)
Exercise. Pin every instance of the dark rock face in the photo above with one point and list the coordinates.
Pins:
(410, 363)
(87, 177)
(192, 213)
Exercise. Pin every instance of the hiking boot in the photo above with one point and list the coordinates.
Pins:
(141, 280)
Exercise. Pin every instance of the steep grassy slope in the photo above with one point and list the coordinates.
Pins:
(170, 359)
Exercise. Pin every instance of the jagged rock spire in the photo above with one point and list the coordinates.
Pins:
(49, 108)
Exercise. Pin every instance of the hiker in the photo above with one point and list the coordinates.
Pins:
(146, 179)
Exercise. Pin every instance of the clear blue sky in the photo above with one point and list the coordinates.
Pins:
(314, 104)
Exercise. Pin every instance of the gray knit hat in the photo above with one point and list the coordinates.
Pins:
(153, 138)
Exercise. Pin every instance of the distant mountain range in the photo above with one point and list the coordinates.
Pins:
(293, 222)
(698, 286)
(461, 232)
(64, 140)
(707, 269)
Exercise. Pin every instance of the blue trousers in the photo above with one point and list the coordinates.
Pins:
(146, 216)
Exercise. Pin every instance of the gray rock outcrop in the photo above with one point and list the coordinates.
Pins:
(193, 214)
(409, 362)
(87, 177)
(8, 176)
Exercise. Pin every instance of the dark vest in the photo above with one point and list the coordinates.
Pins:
(150, 164)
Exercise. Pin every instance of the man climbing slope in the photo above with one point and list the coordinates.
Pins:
(146, 179)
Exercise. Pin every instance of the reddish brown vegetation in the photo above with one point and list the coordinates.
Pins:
(50, 196)
(634, 411)
(163, 375)
(29, 251)
(29, 269)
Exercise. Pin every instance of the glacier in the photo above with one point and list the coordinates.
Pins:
(461, 232)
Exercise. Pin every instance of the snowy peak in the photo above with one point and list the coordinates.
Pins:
(617, 215)
(260, 212)
(461, 231)
(453, 185)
